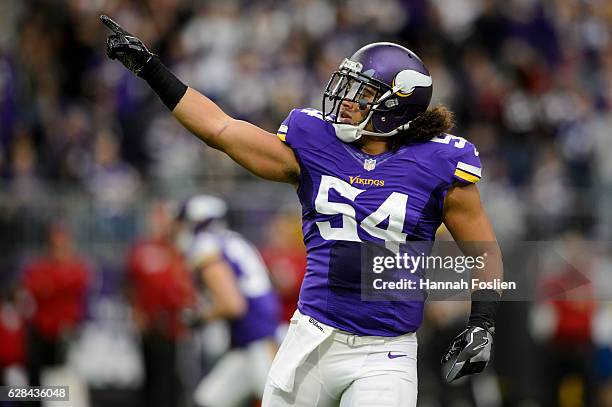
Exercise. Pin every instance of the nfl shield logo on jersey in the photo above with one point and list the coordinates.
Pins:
(369, 164)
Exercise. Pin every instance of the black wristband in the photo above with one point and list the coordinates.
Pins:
(167, 86)
(484, 308)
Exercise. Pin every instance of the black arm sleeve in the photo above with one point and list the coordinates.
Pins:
(484, 308)
(168, 87)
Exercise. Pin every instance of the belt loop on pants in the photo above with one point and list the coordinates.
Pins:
(351, 340)
(356, 340)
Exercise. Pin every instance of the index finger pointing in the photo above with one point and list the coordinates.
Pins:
(112, 25)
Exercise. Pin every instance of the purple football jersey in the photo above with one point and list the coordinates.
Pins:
(349, 197)
(263, 307)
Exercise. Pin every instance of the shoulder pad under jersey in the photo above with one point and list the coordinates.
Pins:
(204, 248)
(450, 158)
(305, 128)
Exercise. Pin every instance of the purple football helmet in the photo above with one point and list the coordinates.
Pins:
(399, 80)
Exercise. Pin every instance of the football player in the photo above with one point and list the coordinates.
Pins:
(239, 290)
(374, 166)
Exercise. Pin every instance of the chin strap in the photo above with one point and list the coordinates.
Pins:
(389, 134)
(350, 132)
(347, 132)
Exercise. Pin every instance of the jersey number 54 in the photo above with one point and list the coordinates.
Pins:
(394, 208)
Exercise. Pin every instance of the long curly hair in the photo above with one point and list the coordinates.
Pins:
(428, 124)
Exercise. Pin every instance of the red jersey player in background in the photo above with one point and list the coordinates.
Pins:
(57, 284)
(285, 255)
(161, 288)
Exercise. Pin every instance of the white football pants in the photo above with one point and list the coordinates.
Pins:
(319, 366)
(238, 375)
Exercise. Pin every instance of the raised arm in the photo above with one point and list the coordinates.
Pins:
(257, 150)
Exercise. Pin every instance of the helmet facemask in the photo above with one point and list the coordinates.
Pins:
(394, 104)
(349, 84)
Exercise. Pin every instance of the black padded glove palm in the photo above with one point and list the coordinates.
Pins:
(469, 353)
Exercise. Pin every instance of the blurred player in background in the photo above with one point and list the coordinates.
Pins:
(12, 338)
(285, 256)
(161, 288)
(374, 166)
(56, 283)
(237, 289)
(563, 323)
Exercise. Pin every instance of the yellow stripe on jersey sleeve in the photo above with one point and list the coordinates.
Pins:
(282, 136)
(466, 176)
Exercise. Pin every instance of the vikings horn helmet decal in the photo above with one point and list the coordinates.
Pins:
(408, 80)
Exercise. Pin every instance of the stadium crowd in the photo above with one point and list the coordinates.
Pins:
(530, 82)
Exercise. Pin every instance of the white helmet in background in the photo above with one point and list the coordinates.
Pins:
(203, 208)
(198, 213)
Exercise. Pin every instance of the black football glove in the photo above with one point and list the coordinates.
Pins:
(469, 353)
(125, 47)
